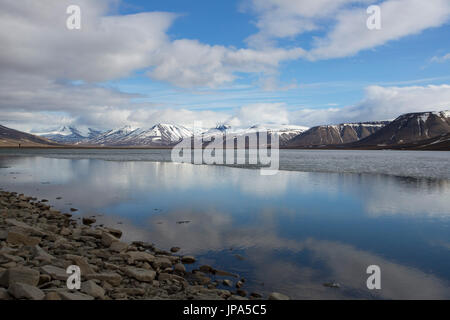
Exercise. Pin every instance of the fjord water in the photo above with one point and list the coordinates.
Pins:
(325, 217)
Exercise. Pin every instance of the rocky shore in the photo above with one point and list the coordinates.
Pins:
(38, 244)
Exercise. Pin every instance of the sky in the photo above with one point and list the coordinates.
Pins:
(243, 62)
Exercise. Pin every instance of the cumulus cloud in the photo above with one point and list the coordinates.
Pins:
(399, 18)
(380, 103)
(111, 47)
(260, 113)
(47, 68)
(287, 19)
(51, 75)
(188, 63)
(441, 59)
(389, 102)
(106, 47)
(342, 22)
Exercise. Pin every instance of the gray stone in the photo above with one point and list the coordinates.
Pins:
(11, 257)
(22, 225)
(140, 256)
(228, 283)
(236, 297)
(161, 262)
(4, 294)
(52, 296)
(90, 233)
(179, 268)
(25, 291)
(92, 289)
(21, 274)
(55, 272)
(188, 259)
(88, 221)
(278, 296)
(65, 232)
(118, 246)
(74, 296)
(81, 262)
(112, 278)
(131, 291)
(17, 238)
(108, 239)
(41, 254)
(206, 268)
(115, 232)
(141, 274)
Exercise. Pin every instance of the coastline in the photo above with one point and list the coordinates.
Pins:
(38, 244)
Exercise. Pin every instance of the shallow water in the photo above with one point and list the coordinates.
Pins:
(290, 232)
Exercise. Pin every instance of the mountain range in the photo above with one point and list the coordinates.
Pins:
(424, 130)
(161, 134)
(69, 134)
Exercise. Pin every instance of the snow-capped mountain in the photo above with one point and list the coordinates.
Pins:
(160, 134)
(426, 130)
(69, 134)
(164, 134)
(284, 131)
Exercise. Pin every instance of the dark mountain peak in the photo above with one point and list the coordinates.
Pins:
(223, 127)
(411, 127)
(336, 134)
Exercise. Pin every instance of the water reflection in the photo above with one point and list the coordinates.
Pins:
(295, 230)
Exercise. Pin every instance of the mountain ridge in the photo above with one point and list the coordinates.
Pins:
(336, 134)
(417, 130)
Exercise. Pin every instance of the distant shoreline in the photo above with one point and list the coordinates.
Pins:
(362, 148)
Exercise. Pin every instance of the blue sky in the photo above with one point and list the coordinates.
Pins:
(319, 84)
(297, 62)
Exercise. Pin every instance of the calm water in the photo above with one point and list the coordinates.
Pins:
(325, 217)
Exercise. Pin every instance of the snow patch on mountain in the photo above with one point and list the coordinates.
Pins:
(69, 134)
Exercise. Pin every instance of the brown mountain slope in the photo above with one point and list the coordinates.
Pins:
(13, 138)
(410, 128)
(336, 134)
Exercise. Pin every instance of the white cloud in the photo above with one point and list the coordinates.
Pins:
(440, 59)
(106, 47)
(41, 59)
(399, 18)
(189, 63)
(261, 113)
(390, 102)
(287, 18)
(379, 103)
(343, 23)
(110, 47)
